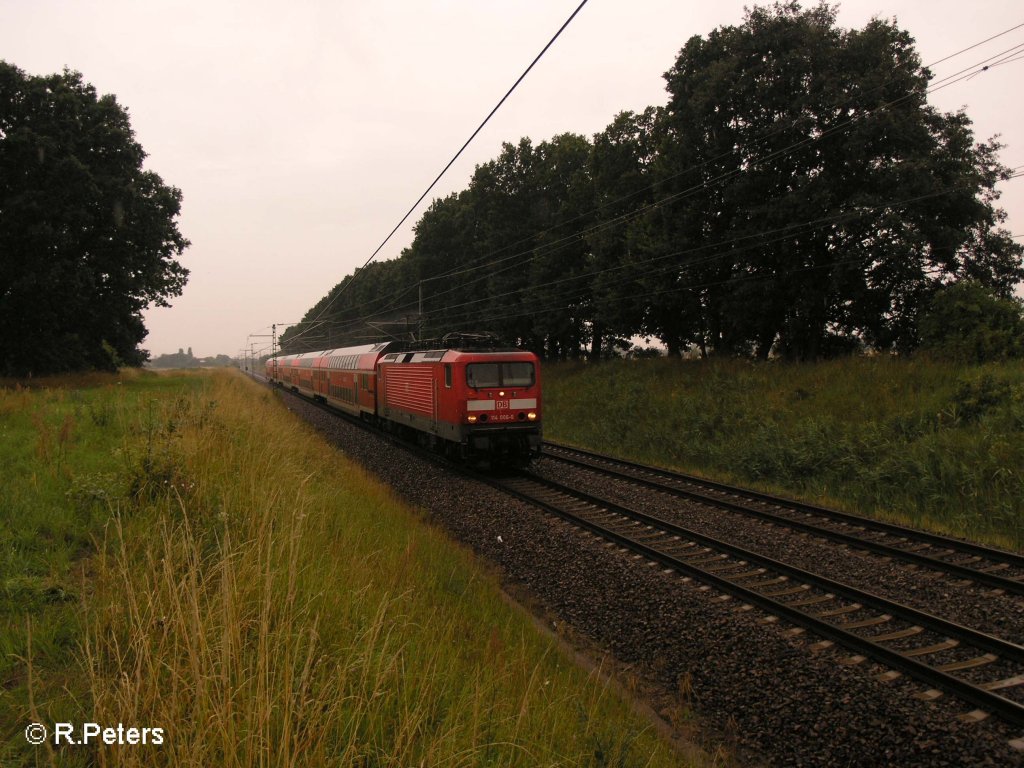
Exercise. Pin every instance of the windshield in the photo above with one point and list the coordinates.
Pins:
(517, 374)
(480, 375)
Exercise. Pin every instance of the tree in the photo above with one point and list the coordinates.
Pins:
(368, 305)
(559, 268)
(621, 159)
(810, 191)
(968, 322)
(441, 265)
(509, 210)
(88, 238)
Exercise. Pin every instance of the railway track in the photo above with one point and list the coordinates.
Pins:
(729, 650)
(976, 667)
(990, 567)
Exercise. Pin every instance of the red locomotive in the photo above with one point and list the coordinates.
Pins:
(468, 403)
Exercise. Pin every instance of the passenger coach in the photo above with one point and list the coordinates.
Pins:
(468, 403)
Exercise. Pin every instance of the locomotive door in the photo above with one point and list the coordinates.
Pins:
(433, 425)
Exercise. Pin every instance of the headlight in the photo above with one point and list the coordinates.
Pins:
(532, 416)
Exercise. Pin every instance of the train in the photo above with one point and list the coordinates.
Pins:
(469, 402)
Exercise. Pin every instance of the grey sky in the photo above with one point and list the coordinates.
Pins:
(300, 133)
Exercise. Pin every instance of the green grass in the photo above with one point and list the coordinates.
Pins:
(192, 557)
(917, 441)
(71, 451)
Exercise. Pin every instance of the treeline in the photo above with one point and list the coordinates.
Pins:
(796, 196)
(183, 359)
(88, 236)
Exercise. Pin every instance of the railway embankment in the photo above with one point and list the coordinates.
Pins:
(773, 692)
(920, 442)
(183, 555)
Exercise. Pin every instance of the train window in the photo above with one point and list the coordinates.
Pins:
(517, 374)
(448, 375)
(482, 375)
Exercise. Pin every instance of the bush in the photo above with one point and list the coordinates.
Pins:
(968, 323)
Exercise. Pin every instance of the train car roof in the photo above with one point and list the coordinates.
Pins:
(362, 349)
(451, 355)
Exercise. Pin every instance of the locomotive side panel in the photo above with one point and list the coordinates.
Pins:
(409, 391)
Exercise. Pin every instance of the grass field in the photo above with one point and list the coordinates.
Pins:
(180, 552)
(915, 441)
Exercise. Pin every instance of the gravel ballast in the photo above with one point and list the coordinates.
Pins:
(964, 602)
(774, 695)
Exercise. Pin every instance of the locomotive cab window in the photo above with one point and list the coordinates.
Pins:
(480, 375)
(517, 374)
(448, 375)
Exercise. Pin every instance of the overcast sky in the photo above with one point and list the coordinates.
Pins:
(300, 133)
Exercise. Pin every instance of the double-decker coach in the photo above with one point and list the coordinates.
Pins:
(467, 402)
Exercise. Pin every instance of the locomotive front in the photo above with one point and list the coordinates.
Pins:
(500, 404)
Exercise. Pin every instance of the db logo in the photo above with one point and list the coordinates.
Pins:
(501, 405)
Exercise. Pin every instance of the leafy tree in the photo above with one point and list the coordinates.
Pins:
(797, 195)
(88, 239)
(445, 264)
(967, 321)
(810, 190)
(509, 212)
(621, 161)
(364, 307)
(560, 265)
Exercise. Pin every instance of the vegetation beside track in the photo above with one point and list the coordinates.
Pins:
(180, 552)
(922, 442)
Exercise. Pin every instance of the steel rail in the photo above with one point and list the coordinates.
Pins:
(598, 463)
(1002, 707)
(1007, 709)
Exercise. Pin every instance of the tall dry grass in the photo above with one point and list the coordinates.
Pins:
(269, 604)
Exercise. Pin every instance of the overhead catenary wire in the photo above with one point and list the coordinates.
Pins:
(1003, 57)
(976, 45)
(560, 306)
(465, 269)
(461, 150)
(549, 248)
(536, 251)
(719, 250)
(780, 152)
(729, 248)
